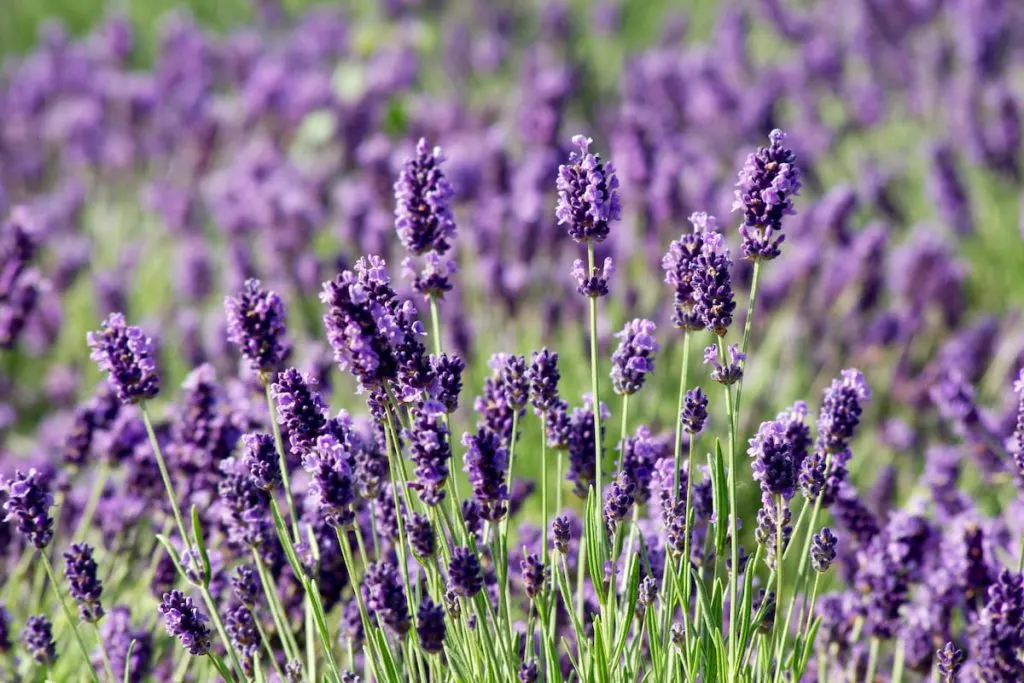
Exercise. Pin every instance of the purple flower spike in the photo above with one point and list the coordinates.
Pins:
(695, 411)
(679, 264)
(464, 577)
(1000, 630)
(435, 280)
(593, 284)
(448, 372)
(619, 499)
(386, 598)
(773, 461)
(37, 638)
(430, 626)
(245, 585)
(85, 587)
(950, 658)
(5, 630)
(430, 451)
(534, 574)
(125, 353)
(118, 634)
(713, 298)
(561, 534)
(257, 326)
(841, 409)
(300, 410)
(27, 504)
(184, 621)
(262, 461)
(730, 372)
(332, 485)
(486, 463)
(823, 550)
(588, 197)
(767, 184)
(423, 198)
(633, 360)
(543, 377)
(1017, 440)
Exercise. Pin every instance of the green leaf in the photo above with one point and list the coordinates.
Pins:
(720, 493)
(222, 668)
(169, 547)
(808, 646)
(128, 661)
(197, 533)
(629, 606)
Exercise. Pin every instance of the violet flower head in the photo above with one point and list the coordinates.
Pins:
(767, 530)
(423, 202)
(729, 372)
(559, 428)
(435, 279)
(582, 464)
(588, 196)
(125, 353)
(85, 586)
(561, 534)
(37, 639)
(245, 585)
(256, 324)
(679, 264)
(773, 466)
(486, 463)
(5, 630)
(27, 504)
(765, 189)
(695, 411)
(385, 597)
(633, 360)
(430, 451)
(430, 626)
(534, 575)
(448, 371)
(811, 477)
(619, 498)
(464, 576)
(798, 433)
(528, 672)
(841, 409)
(713, 298)
(514, 378)
(241, 629)
(823, 550)
(184, 621)
(950, 659)
(640, 453)
(1017, 439)
(543, 376)
(593, 283)
(999, 631)
(300, 410)
(261, 460)
(331, 483)
(421, 535)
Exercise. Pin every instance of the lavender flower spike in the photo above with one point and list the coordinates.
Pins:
(300, 410)
(27, 504)
(588, 197)
(486, 463)
(679, 264)
(729, 372)
(37, 637)
(331, 485)
(767, 184)
(125, 353)
(184, 621)
(543, 377)
(256, 325)
(713, 298)
(261, 460)
(1017, 439)
(841, 409)
(86, 588)
(595, 283)
(633, 360)
(423, 198)
(823, 549)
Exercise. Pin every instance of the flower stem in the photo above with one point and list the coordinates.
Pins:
(872, 660)
(219, 625)
(283, 460)
(67, 613)
(276, 612)
(164, 474)
(594, 386)
(266, 645)
(734, 554)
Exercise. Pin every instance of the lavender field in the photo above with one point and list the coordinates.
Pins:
(492, 341)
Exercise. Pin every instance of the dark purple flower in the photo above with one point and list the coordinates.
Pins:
(729, 372)
(421, 536)
(85, 587)
(78, 442)
(561, 534)
(767, 531)
(841, 409)
(241, 628)
(695, 411)
(346, 676)
(852, 514)
(125, 353)
(423, 199)
(582, 465)
(593, 283)
(823, 549)
(385, 597)
(772, 465)
(559, 427)
(679, 264)
(430, 451)
(543, 377)
(256, 325)
(641, 453)
(950, 658)
(999, 631)
(633, 360)
(588, 197)
(435, 279)
(798, 434)
(5, 630)
(117, 633)
(261, 460)
(245, 585)
(464, 576)
(486, 464)
(448, 372)
(647, 592)
(37, 638)
(370, 465)
(767, 184)
(185, 622)
(331, 483)
(534, 575)
(27, 504)
(713, 298)
(619, 498)
(528, 672)
(301, 410)
(514, 379)
(1017, 440)
(430, 626)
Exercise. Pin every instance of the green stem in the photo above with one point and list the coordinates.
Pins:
(346, 551)
(164, 475)
(94, 500)
(872, 660)
(276, 612)
(687, 532)
(67, 614)
(747, 324)
(733, 526)
(779, 562)
(105, 655)
(897, 666)
(283, 460)
(219, 625)
(677, 453)
(266, 645)
(594, 386)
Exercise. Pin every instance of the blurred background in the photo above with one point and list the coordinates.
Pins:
(163, 152)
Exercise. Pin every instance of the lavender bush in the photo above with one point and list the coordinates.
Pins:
(330, 349)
